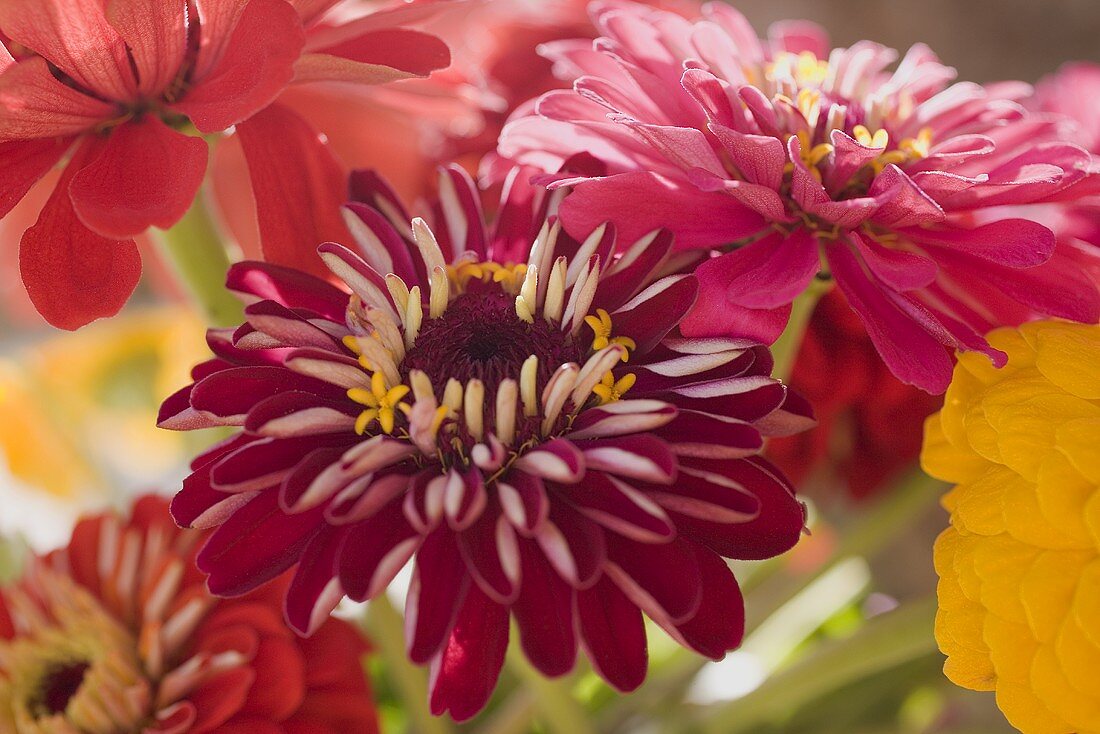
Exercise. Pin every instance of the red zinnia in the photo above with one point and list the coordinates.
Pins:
(116, 633)
(535, 434)
(118, 83)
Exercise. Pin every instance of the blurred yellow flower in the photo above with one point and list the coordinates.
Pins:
(1019, 589)
(80, 408)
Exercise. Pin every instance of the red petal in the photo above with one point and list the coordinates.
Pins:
(33, 104)
(256, 544)
(719, 625)
(257, 64)
(219, 698)
(465, 673)
(299, 188)
(74, 276)
(315, 590)
(75, 36)
(377, 56)
(155, 32)
(24, 162)
(146, 175)
(544, 614)
(440, 583)
(613, 635)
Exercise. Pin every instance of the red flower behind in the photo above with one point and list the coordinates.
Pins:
(870, 424)
(115, 86)
(522, 422)
(116, 632)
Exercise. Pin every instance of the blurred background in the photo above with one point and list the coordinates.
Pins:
(77, 414)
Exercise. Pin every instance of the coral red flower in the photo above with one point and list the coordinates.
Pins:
(869, 424)
(117, 85)
(798, 161)
(116, 633)
(524, 423)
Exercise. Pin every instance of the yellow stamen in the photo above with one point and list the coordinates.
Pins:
(601, 329)
(610, 389)
(381, 403)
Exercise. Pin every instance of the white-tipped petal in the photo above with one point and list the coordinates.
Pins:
(528, 385)
(441, 293)
(579, 263)
(414, 316)
(507, 404)
(555, 394)
(473, 408)
(452, 395)
(594, 370)
(554, 303)
(427, 244)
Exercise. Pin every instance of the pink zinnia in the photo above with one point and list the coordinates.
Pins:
(523, 422)
(117, 87)
(800, 162)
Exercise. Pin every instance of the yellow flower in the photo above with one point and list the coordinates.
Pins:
(1019, 567)
(80, 409)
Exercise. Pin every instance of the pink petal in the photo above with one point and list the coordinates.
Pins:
(155, 34)
(257, 63)
(73, 275)
(33, 104)
(767, 274)
(901, 270)
(1017, 243)
(912, 354)
(465, 672)
(760, 158)
(613, 635)
(638, 203)
(299, 188)
(74, 36)
(145, 175)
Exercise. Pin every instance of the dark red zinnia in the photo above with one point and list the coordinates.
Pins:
(530, 431)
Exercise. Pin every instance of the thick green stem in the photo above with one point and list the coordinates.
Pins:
(196, 251)
(387, 634)
(785, 349)
(885, 642)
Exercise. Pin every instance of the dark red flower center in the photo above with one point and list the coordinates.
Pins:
(58, 687)
(480, 336)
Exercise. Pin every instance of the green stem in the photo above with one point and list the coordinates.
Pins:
(560, 711)
(387, 634)
(885, 642)
(786, 347)
(196, 251)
